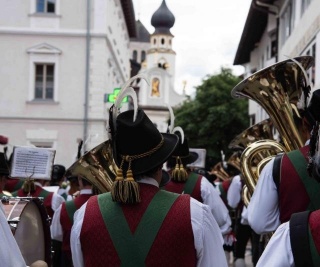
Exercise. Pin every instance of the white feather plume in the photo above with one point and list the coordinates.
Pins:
(302, 100)
(127, 90)
(179, 129)
(171, 126)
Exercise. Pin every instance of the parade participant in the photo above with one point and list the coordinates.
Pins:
(57, 179)
(296, 243)
(243, 231)
(4, 172)
(137, 224)
(51, 200)
(197, 186)
(63, 219)
(73, 187)
(283, 187)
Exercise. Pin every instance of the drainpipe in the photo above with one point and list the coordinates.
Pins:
(261, 6)
(86, 99)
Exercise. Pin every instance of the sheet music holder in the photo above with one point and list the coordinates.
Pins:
(32, 162)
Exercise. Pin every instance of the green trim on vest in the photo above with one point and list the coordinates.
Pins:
(133, 249)
(314, 253)
(190, 183)
(44, 194)
(71, 209)
(311, 185)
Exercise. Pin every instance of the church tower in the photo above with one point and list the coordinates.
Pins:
(161, 53)
(159, 69)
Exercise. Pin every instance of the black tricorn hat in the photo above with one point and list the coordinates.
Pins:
(141, 142)
(4, 167)
(182, 151)
(312, 112)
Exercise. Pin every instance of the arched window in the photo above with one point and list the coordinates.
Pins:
(162, 41)
(143, 55)
(154, 41)
(135, 55)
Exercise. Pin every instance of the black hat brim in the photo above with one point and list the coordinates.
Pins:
(160, 156)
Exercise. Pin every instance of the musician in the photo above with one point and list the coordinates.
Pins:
(57, 179)
(197, 186)
(63, 219)
(4, 173)
(137, 224)
(283, 187)
(243, 231)
(51, 200)
(296, 243)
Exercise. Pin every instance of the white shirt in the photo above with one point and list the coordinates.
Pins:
(56, 228)
(207, 237)
(234, 197)
(278, 252)
(56, 201)
(10, 254)
(263, 208)
(220, 212)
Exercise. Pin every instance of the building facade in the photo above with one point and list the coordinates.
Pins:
(59, 60)
(275, 31)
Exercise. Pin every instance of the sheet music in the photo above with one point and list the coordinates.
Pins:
(32, 162)
(201, 160)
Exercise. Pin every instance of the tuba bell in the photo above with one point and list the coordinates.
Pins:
(96, 166)
(277, 89)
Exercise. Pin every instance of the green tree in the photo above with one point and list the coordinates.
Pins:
(213, 119)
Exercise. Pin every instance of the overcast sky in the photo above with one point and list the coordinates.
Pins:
(207, 34)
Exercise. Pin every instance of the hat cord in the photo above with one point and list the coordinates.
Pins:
(127, 190)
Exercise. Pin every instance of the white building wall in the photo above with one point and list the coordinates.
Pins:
(27, 38)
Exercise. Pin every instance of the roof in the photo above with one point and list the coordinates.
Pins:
(142, 33)
(254, 27)
(127, 7)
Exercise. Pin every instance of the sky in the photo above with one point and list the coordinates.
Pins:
(207, 34)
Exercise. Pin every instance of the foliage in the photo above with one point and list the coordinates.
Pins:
(213, 119)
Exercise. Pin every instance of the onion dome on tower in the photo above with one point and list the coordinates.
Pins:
(162, 19)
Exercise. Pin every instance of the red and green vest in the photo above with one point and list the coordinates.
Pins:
(155, 232)
(305, 238)
(66, 219)
(39, 192)
(192, 186)
(297, 190)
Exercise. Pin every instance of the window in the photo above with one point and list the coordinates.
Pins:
(162, 41)
(143, 55)
(44, 78)
(304, 5)
(287, 21)
(135, 55)
(46, 6)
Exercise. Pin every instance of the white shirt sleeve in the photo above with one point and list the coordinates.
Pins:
(234, 192)
(56, 228)
(10, 254)
(56, 201)
(278, 252)
(77, 257)
(263, 208)
(206, 236)
(219, 210)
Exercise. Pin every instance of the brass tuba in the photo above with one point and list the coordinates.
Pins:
(96, 166)
(277, 89)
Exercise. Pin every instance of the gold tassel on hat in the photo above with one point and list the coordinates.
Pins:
(179, 174)
(125, 190)
(29, 186)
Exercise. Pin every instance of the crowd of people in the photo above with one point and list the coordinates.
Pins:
(160, 211)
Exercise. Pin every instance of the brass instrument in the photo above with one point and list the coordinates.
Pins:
(277, 89)
(260, 131)
(219, 171)
(97, 166)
